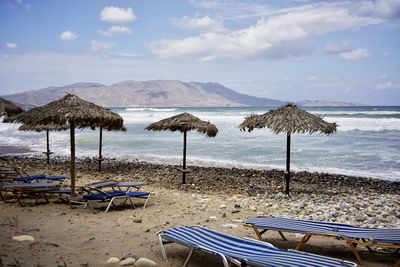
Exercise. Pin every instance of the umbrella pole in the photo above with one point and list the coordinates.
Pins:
(100, 146)
(287, 173)
(72, 138)
(48, 147)
(184, 158)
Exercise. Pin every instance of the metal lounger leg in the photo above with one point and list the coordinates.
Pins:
(283, 237)
(163, 253)
(109, 204)
(353, 248)
(303, 240)
(145, 203)
(188, 257)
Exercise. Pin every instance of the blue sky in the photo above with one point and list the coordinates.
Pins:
(289, 49)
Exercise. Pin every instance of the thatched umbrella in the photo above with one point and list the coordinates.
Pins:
(288, 119)
(8, 108)
(74, 112)
(184, 122)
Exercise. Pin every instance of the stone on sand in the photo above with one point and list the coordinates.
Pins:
(112, 260)
(143, 262)
(23, 238)
(127, 261)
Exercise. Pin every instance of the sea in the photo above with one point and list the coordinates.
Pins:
(367, 141)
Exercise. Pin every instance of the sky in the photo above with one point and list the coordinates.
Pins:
(289, 49)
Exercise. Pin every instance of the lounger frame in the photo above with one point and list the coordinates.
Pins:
(226, 260)
(125, 195)
(352, 243)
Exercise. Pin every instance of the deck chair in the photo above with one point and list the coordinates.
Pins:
(96, 193)
(354, 236)
(42, 177)
(240, 251)
(111, 196)
(97, 187)
(19, 190)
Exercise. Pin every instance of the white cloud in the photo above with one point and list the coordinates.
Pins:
(21, 3)
(117, 14)
(199, 23)
(96, 46)
(388, 85)
(277, 36)
(11, 45)
(356, 54)
(337, 48)
(116, 29)
(68, 36)
(388, 9)
(233, 9)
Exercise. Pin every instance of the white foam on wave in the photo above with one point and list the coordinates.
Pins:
(365, 124)
(152, 109)
(354, 112)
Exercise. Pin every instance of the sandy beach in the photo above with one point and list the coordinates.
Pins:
(219, 198)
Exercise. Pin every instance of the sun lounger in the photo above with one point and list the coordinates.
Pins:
(97, 187)
(96, 193)
(19, 190)
(354, 236)
(111, 196)
(42, 177)
(116, 184)
(240, 251)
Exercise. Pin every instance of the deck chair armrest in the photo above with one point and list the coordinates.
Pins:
(259, 241)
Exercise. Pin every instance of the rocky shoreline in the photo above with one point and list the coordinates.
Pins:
(320, 196)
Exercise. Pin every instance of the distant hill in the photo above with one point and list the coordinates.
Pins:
(319, 103)
(157, 93)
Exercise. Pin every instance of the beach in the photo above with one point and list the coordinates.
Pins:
(215, 197)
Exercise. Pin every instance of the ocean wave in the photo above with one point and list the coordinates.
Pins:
(152, 109)
(389, 115)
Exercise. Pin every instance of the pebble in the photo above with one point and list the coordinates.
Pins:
(143, 262)
(112, 260)
(127, 261)
(31, 229)
(23, 238)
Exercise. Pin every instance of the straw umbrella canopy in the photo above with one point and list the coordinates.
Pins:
(8, 108)
(288, 119)
(184, 122)
(74, 112)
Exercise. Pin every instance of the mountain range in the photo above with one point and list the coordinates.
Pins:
(155, 93)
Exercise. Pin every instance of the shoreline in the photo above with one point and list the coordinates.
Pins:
(251, 177)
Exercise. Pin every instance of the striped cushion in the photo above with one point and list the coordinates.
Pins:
(391, 236)
(255, 253)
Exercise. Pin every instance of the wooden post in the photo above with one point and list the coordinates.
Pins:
(100, 145)
(287, 173)
(48, 147)
(184, 158)
(72, 138)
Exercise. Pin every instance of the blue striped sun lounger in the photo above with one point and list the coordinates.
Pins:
(354, 236)
(241, 251)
